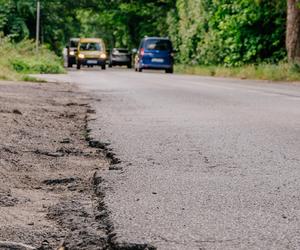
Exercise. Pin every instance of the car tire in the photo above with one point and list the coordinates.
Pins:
(103, 67)
(170, 71)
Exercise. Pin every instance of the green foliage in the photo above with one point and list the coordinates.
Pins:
(207, 32)
(40, 66)
(14, 16)
(120, 23)
(17, 59)
(230, 32)
(27, 78)
(59, 21)
(295, 68)
(124, 23)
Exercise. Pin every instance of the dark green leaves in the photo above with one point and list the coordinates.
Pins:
(207, 32)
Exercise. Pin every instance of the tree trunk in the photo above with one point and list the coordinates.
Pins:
(293, 30)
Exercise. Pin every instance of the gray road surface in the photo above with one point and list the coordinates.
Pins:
(207, 163)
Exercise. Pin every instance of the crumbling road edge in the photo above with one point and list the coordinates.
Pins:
(98, 182)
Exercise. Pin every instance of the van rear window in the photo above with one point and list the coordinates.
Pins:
(156, 44)
(73, 44)
(90, 46)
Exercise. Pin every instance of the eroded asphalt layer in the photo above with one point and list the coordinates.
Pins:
(205, 163)
(51, 191)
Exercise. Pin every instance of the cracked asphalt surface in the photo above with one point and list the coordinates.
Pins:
(207, 163)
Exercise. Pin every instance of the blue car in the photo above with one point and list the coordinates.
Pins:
(155, 53)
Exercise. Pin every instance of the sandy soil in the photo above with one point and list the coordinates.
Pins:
(47, 169)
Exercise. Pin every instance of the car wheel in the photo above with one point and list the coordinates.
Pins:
(170, 71)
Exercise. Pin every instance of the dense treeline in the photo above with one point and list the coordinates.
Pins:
(58, 19)
(209, 32)
(230, 32)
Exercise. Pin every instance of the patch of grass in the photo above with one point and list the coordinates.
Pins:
(273, 72)
(19, 59)
(27, 78)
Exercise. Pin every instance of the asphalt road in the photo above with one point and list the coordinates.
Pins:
(207, 163)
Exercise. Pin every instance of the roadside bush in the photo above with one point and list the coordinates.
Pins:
(19, 59)
(30, 66)
(295, 68)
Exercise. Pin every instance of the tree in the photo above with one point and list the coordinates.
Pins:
(123, 23)
(228, 32)
(293, 30)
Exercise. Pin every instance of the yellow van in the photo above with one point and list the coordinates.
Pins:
(91, 52)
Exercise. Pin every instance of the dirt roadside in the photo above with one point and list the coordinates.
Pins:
(48, 170)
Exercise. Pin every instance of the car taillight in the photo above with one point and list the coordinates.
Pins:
(142, 51)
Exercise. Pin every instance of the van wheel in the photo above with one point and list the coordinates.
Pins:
(103, 67)
(170, 71)
(78, 66)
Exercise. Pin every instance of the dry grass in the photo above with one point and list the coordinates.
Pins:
(273, 72)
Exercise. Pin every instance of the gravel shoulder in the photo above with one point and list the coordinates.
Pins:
(48, 171)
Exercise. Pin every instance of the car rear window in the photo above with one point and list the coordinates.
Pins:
(125, 51)
(90, 46)
(73, 44)
(158, 44)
